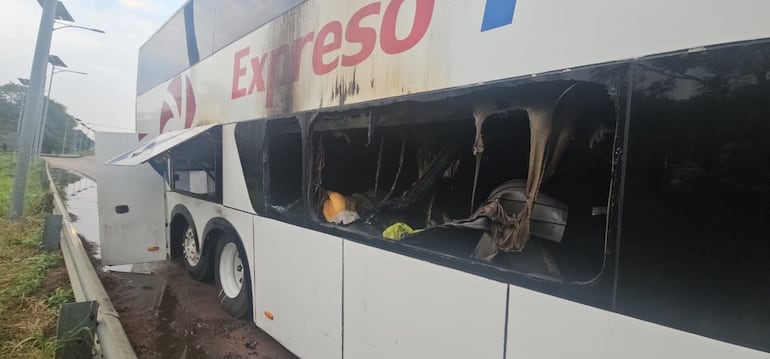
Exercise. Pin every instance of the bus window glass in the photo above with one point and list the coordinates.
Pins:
(235, 18)
(410, 174)
(283, 153)
(197, 166)
(203, 15)
(695, 248)
(163, 55)
(249, 137)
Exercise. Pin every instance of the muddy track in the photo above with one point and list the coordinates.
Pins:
(188, 322)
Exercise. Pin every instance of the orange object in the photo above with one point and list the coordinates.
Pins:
(153, 248)
(268, 315)
(336, 203)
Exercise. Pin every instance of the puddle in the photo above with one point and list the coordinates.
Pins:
(168, 343)
(80, 196)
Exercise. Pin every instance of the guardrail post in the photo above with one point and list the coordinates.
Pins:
(52, 231)
(75, 330)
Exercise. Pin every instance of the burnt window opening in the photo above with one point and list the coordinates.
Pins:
(413, 171)
(283, 164)
(197, 166)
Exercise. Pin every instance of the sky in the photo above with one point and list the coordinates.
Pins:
(105, 97)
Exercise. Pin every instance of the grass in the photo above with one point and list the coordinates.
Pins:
(28, 310)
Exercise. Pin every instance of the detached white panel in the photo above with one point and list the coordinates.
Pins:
(298, 278)
(543, 326)
(138, 234)
(401, 307)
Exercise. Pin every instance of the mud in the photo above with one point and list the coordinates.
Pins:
(188, 323)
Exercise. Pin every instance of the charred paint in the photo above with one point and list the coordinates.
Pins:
(343, 89)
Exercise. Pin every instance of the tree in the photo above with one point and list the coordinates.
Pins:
(11, 103)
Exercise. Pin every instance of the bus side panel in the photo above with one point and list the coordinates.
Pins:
(132, 224)
(543, 326)
(298, 282)
(401, 307)
(636, 339)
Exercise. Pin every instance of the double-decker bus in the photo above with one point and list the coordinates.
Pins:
(459, 179)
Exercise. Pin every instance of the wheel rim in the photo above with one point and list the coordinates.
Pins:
(191, 253)
(231, 271)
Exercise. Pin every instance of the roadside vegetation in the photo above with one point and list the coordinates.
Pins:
(33, 282)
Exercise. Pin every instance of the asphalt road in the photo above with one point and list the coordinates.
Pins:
(83, 165)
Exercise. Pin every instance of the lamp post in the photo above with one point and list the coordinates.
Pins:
(64, 140)
(55, 61)
(32, 110)
(58, 67)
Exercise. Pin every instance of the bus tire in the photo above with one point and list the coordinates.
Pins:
(196, 261)
(232, 277)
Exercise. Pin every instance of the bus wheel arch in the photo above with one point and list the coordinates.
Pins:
(232, 271)
(186, 243)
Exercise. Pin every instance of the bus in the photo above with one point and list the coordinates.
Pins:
(459, 178)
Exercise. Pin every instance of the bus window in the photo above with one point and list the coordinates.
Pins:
(410, 174)
(283, 156)
(197, 166)
(694, 251)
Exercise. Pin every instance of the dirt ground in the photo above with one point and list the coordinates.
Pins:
(166, 314)
(188, 322)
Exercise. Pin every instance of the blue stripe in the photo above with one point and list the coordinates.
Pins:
(192, 41)
(498, 13)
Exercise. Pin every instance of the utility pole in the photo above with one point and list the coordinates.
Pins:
(32, 109)
(64, 140)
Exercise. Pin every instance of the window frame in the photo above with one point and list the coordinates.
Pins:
(219, 185)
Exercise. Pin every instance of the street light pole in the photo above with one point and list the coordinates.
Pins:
(64, 140)
(44, 121)
(32, 110)
(38, 143)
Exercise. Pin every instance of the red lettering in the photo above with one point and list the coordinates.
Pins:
(299, 45)
(423, 14)
(257, 78)
(277, 73)
(366, 36)
(238, 72)
(322, 48)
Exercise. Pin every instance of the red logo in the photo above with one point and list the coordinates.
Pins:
(184, 103)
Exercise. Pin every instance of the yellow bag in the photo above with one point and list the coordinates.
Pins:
(398, 230)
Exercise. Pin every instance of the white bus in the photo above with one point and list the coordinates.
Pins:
(459, 179)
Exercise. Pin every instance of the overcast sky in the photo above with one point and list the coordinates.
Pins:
(106, 96)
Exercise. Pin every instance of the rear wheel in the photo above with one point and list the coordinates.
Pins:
(232, 277)
(198, 263)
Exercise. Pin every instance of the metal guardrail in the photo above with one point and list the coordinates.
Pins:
(86, 285)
